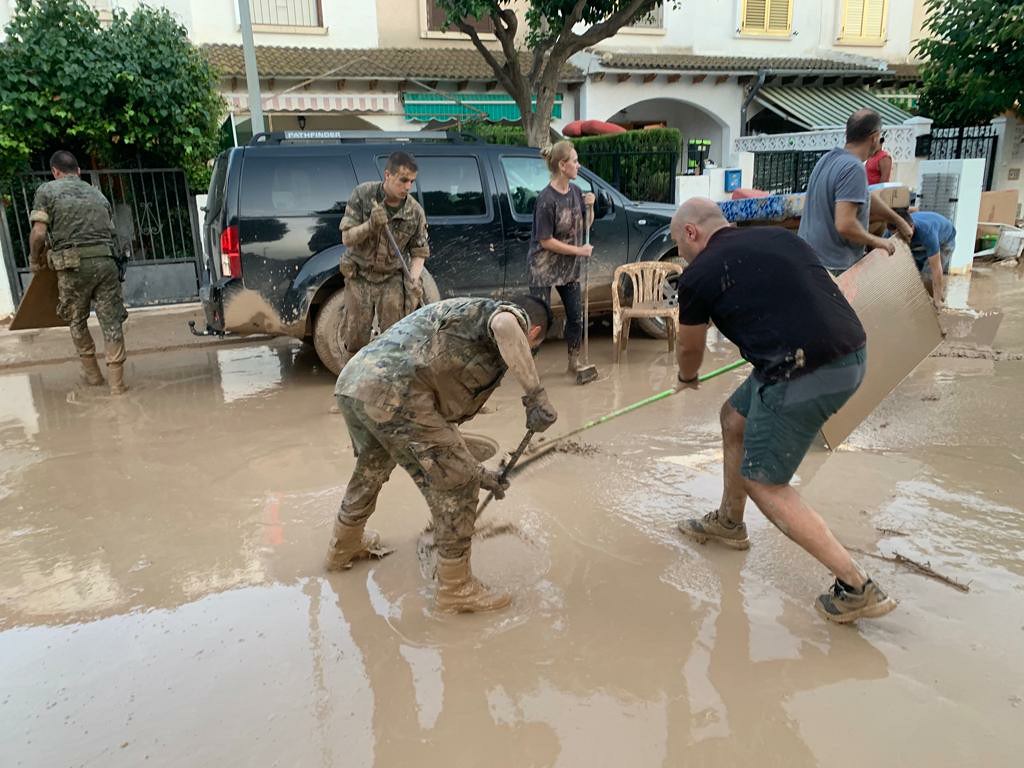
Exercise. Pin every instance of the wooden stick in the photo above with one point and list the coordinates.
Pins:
(925, 569)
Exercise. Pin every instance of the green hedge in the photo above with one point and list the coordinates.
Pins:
(641, 164)
(496, 133)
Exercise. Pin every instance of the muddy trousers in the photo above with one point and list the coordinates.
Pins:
(364, 299)
(93, 282)
(571, 295)
(431, 451)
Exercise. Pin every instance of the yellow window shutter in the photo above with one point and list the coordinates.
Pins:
(755, 15)
(853, 18)
(780, 14)
(874, 19)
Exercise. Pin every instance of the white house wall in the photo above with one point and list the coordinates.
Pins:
(705, 110)
(711, 27)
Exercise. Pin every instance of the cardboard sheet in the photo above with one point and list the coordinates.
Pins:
(901, 325)
(998, 207)
(38, 307)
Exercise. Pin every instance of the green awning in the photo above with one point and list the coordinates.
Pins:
(826, 107)
(424, 107)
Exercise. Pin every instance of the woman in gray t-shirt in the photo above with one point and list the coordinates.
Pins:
(556, 246)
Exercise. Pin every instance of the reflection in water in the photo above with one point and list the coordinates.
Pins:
(247, 372)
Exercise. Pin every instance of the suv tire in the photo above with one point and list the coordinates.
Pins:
(327, 331)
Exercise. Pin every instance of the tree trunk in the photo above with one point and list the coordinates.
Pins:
(537, 124)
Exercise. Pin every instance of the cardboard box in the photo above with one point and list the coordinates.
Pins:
(895, 197)
(902, 329)
(998, 207)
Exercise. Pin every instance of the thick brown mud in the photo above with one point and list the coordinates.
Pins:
(163, 601)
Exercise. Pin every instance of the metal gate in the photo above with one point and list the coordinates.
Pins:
(965, 143)
(781, 173)
(157, 226)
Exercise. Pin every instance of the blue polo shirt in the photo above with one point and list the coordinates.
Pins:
(932, 233)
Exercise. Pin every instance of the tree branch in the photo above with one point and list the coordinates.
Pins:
(606, 28)
(499, 71)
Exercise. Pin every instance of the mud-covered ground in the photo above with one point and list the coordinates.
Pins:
(162, 600)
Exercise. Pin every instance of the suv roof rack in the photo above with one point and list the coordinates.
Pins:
(369, 137)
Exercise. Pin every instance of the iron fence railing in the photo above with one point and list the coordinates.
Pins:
(648, 176)
(784, 172)
(964, 143)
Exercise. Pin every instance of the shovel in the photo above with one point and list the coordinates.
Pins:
(586, 373)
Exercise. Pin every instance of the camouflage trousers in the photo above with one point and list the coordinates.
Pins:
(94, 281)
(364, 299)
(434, 454)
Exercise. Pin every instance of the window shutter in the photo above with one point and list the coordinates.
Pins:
(874, 19)
(779, 15)
(755, 13)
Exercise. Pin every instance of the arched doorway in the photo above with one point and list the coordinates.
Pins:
(694, 122)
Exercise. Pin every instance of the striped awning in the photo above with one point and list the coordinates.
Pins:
(424, 107)
(815, 108)
(321, 102)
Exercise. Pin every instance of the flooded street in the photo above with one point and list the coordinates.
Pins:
(163, 599)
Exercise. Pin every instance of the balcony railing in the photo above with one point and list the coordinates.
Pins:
(286, 13)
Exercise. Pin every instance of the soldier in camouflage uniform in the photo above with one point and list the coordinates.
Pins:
(374, 279)
(78, 219)
(403, 396)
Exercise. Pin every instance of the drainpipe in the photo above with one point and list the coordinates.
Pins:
(761, 74)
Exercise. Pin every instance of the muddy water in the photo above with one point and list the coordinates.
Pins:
(162, 599)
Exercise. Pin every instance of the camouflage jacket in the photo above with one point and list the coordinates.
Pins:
(440, 359)
(75, 213)
(373, 257)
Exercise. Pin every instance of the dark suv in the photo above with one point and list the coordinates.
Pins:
(274, 207)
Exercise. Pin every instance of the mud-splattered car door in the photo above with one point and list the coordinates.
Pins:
(466, 245)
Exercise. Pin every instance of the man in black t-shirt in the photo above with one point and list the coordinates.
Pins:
(765, 289)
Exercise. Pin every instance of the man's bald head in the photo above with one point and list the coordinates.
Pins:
(693, 224)
(861, 125)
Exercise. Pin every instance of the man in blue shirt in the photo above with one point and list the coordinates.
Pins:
(932, 248)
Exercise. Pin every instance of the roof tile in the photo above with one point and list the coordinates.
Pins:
(695, 63)
(382, 63)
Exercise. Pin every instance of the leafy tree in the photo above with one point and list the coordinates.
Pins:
(974, 59)
(134, 93)
(532, 62)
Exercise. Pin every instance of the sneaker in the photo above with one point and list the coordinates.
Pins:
(842, 605)
(711, 526)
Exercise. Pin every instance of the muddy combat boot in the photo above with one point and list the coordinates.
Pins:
(115, 371)
(843, 604)
(91, 373)
(459, 591)
(713, 526)
(350, 543)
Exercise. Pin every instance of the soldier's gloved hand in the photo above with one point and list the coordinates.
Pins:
(378, 218)
(415, 290)
(490, 480)
(540, 413)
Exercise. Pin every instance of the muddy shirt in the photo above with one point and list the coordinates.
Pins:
(440, 359)
(75, 213)
(767, 292)
(372, 258)
(561, 217)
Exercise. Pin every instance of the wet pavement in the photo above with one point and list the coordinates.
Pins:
(162, 598)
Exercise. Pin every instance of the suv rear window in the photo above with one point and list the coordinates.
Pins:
(447, 186)
(296, 186)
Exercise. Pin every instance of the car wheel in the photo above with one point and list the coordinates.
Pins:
(655, 326)
(327, 332)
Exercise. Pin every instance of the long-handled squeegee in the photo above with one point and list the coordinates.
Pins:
(517, 462)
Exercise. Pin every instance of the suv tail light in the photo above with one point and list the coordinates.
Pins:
(230, 252)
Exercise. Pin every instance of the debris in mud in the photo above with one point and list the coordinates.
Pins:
(925, 569)
(930, 399)
(577, 448)
(891, 532)
(975, 352)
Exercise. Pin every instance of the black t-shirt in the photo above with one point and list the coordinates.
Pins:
(766, 290)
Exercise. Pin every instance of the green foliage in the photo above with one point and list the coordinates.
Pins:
(494, 133)
(974, 68)
(640, 163)
(135, 93)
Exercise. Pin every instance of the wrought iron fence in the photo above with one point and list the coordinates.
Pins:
(784, 172)
(964, 143)
(155, 219)
(648, 176)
